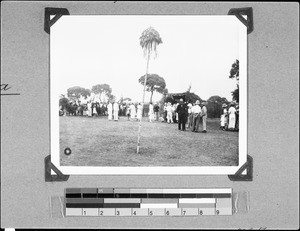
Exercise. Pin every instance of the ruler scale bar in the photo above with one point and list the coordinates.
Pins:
(147, 202)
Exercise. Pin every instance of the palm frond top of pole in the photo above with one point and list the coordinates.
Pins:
(149, 39)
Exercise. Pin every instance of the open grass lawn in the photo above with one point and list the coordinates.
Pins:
(99, 142)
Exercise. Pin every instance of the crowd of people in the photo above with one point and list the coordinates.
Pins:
(89, 109)
(230, 117)
(186, 114)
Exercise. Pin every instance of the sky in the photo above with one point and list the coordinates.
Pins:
(196, 51)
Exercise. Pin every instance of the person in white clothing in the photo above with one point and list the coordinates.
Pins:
(139, 111)
(231, 113)
(151, 112)
(109, 110)
(196, 111)
(203, 116)
(132, 111)
(169, 109)
(89, 107)
(190, 115)
(116, 111)
(223, 118)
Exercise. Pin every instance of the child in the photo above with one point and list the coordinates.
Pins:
(223, 118)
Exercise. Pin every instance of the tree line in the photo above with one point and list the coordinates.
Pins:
(155, 83)
(103, 90)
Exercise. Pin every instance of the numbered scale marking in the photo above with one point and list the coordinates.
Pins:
(147, 202)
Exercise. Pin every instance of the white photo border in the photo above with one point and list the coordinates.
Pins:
(188, 170)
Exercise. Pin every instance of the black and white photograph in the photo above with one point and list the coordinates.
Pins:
(149, 115)
(148, 94)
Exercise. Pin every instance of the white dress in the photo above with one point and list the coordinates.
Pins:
(94, 110)
(169, 114)
(89, 107)
(139, 112)
(116, 111)
(151, 113)
(109, 111)
(223, 118)
(231, 113)
(132, 111)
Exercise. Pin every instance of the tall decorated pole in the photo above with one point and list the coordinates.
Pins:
(149, 40)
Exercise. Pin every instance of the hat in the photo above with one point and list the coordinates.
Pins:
(224, 105)
(232, 103)
(197, 102)
(203, 103)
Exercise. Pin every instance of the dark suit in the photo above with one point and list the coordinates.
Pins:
(182, 111)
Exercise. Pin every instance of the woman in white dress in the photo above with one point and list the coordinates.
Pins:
(132, 111)
(116, 111)
(169, 113)
(89, 107)
(109, 110)
(223, 116)
(139, 111)
(231, 112)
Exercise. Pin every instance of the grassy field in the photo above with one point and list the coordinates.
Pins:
(99, 142)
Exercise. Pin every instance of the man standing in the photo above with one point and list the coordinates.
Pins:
(190, 115)
(165, 112)
(151, 112)
(109, 110)
(197, 112)
(174, 113)
(128, 111)
(156, 110)
(116, 111)
(182, 111)
(237, 117)
(204, 116)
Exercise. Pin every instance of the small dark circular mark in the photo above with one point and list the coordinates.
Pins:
(266, 46)
(67, 151)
